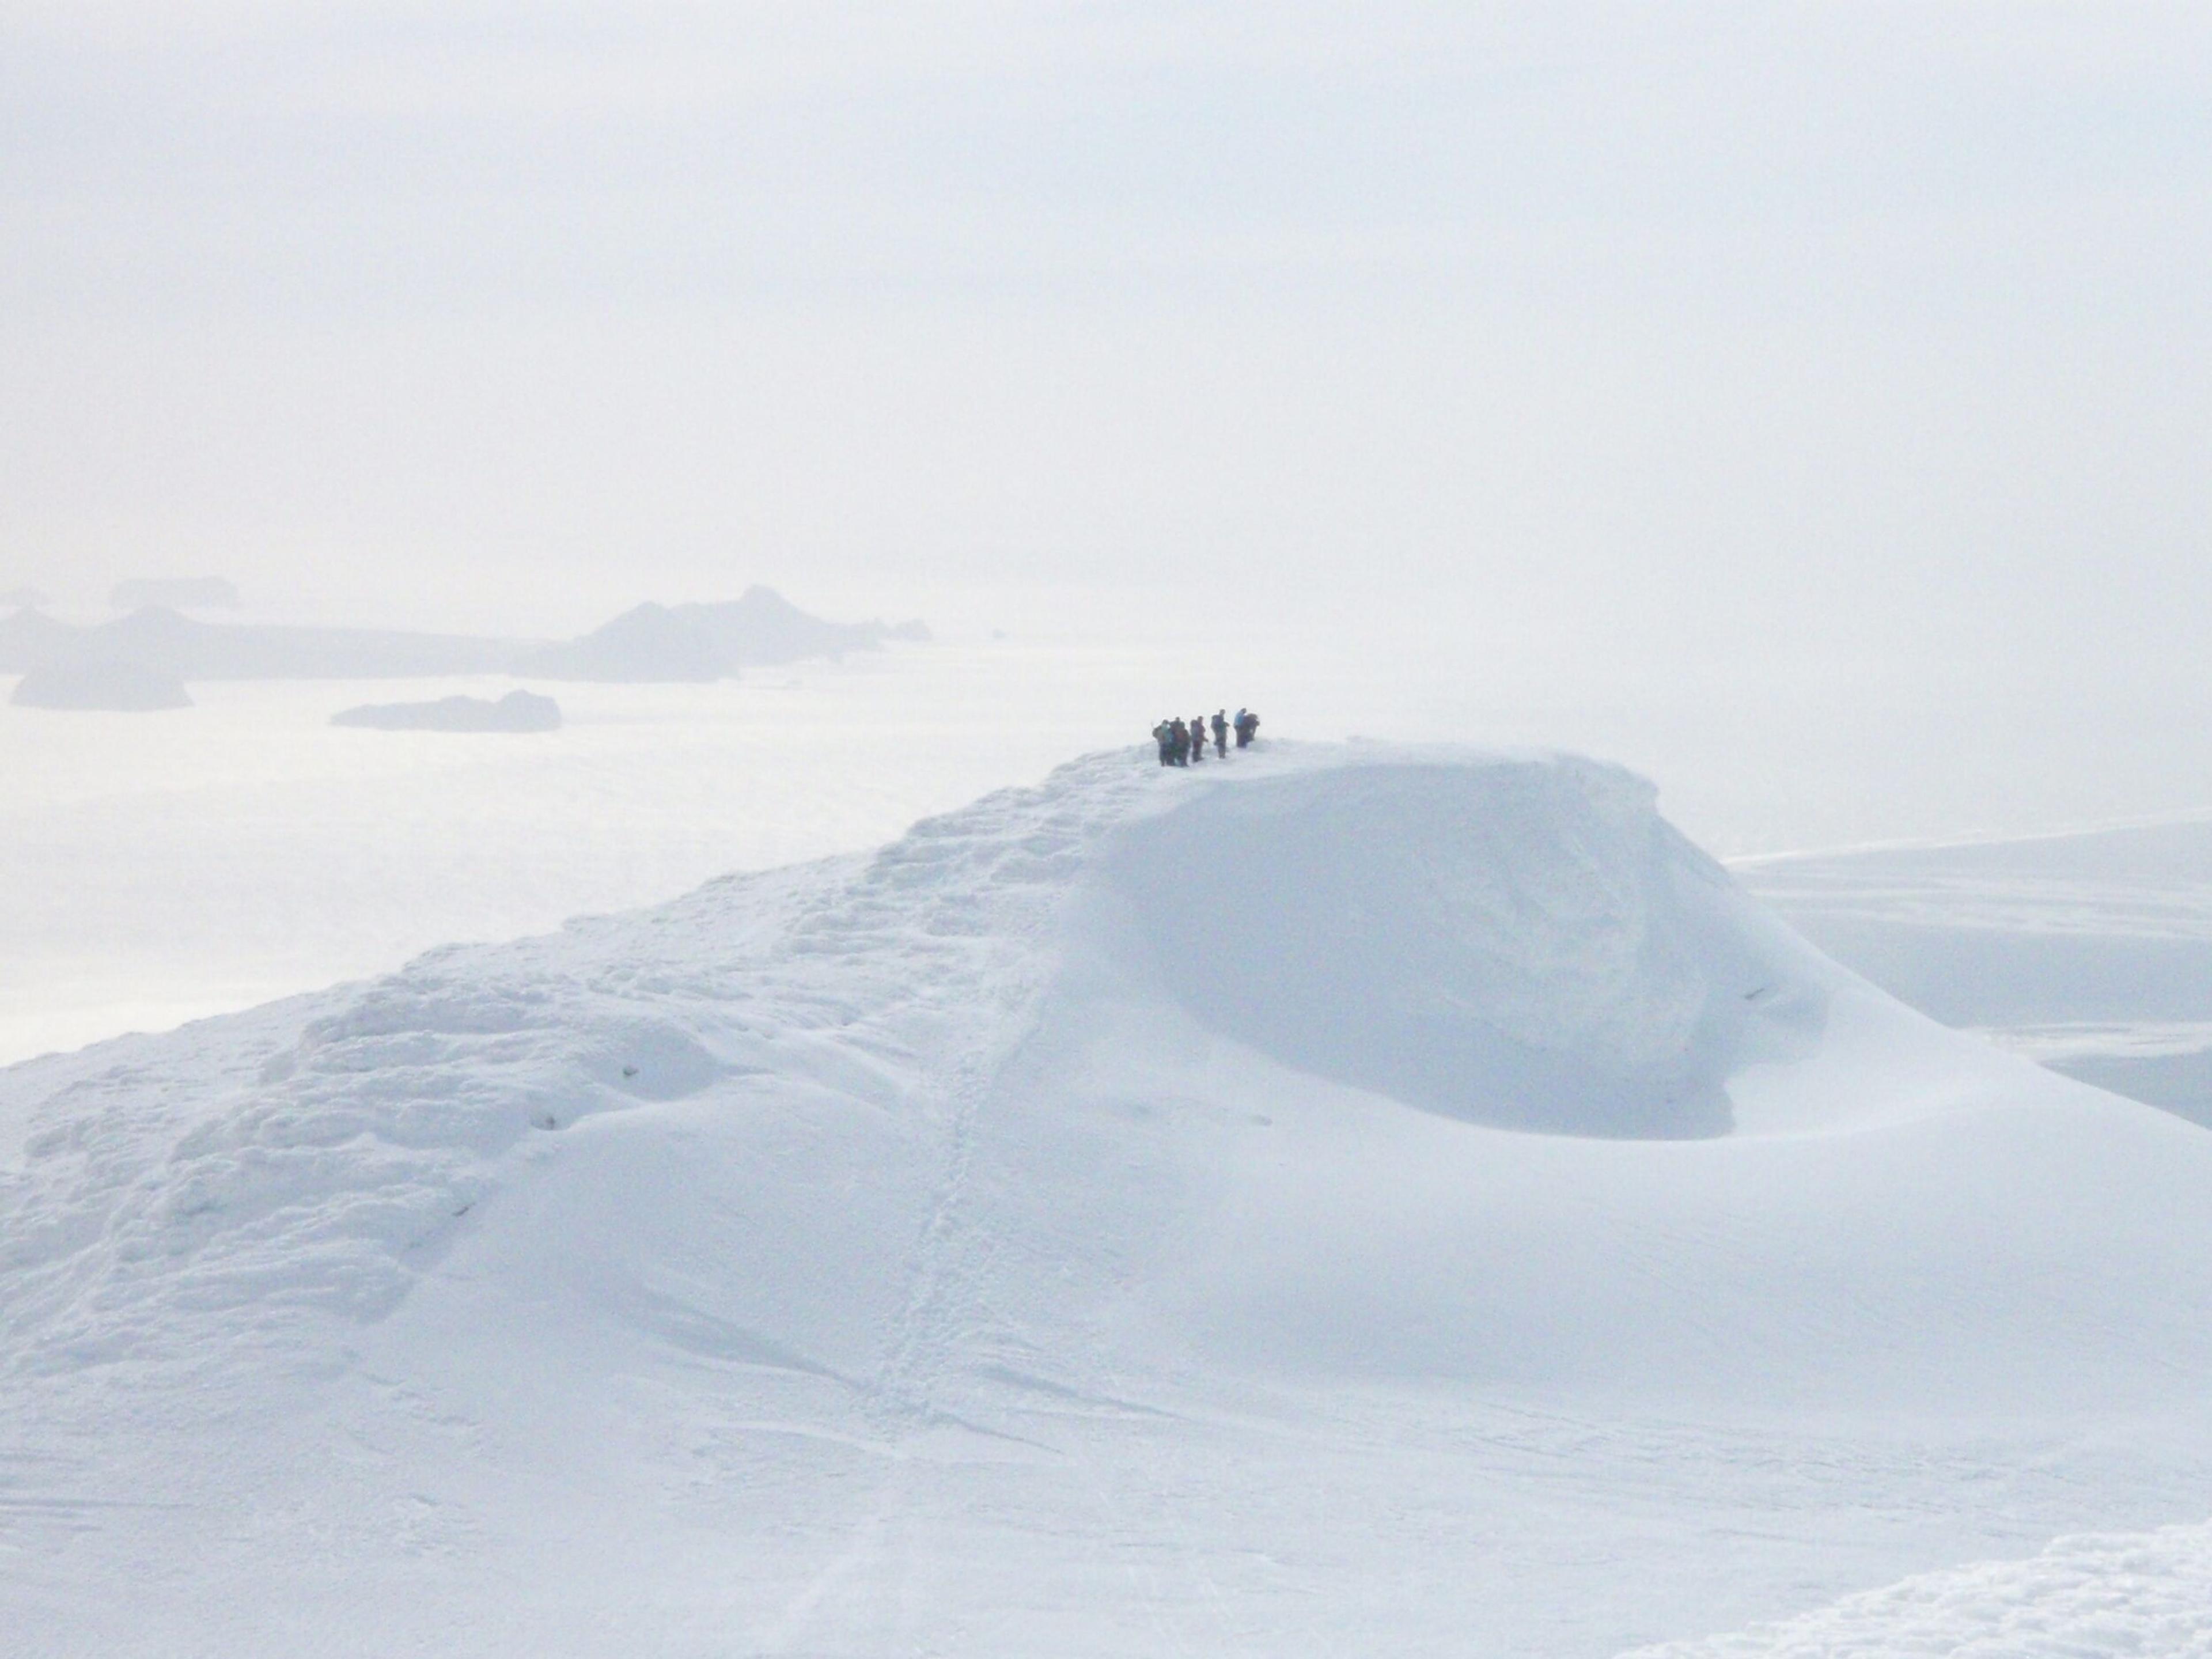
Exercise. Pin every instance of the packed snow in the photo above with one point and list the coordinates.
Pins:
(1364, 1198)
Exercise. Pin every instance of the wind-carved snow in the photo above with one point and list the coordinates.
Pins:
(2144, 1594)
(1528, 947)
(1102, 1221)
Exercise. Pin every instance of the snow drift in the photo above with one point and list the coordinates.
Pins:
(1104, 1220)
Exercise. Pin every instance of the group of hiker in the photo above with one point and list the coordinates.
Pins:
(1182, 742)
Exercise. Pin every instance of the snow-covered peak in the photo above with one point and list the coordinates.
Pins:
(870, 1248)
(1508, 939)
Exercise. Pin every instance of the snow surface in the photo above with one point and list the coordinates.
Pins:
(953, 1250)
(2123, 1593)
(2090, 951)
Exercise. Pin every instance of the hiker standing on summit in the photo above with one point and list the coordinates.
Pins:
(1183, 742)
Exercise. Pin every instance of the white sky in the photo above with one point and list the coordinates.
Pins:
(1635, 346)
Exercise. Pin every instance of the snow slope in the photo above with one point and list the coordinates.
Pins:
(2090, 952)
(1364, 1198)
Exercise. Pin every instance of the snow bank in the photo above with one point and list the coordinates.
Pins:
(1102, 1221)
(518, 711)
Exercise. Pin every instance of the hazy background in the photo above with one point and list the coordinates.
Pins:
(1809, 403)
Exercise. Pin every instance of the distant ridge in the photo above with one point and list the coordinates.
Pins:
(762, 628)
(106, 687)
(654, 642)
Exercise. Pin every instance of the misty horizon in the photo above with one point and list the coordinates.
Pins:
(573, 1084)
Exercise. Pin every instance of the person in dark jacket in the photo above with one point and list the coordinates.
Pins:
(1197, 739)
(1163, 735)
(1221, 734)
(1247, 727)
(1179, 745)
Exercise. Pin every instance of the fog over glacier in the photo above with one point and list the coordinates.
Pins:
(615, 1039)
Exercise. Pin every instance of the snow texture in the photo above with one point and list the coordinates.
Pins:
(518, 711)
(2144, 1595)
(1104, 1220)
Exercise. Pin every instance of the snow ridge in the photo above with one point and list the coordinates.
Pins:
(317, 1157)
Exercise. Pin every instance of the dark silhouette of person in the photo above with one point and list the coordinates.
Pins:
(1221, 734)
(1247, 727)
(1179, 744)
(1163, 735)
(1197, 739)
